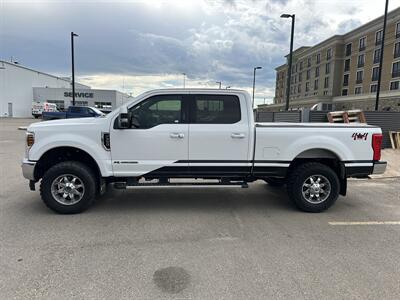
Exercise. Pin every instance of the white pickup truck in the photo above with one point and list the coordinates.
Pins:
(206, 136)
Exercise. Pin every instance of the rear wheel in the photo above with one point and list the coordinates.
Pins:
(313, 187)
(68, 187)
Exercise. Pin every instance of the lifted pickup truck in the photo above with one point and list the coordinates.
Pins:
(203, 134)
(73, 112)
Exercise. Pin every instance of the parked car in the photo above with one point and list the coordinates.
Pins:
(195, 134)
(39, 107)
(73, 112)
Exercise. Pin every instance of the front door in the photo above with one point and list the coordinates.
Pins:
(157, 142)
(219, 136)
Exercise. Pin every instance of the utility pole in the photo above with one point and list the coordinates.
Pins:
(378, 89)
(184, 80)
(254, 81)
(289, 72)
(219, 82)
(73, 67)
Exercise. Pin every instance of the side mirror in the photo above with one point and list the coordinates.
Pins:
(124, 117)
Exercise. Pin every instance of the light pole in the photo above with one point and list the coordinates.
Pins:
(378, 88)
(254, 81)
(219, 82)
(227, 87)
(73, 67)
(289, 73)
(184, 80)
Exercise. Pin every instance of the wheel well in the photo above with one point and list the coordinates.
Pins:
(325, 157)
(60, 154)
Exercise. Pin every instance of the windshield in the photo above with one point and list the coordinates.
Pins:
(98, 111)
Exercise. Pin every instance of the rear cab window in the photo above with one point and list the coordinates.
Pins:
(216, 109)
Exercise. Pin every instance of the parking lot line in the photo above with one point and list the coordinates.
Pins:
(364, 223)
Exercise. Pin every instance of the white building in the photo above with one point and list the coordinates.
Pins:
(20, 86)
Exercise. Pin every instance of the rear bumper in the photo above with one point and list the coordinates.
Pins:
(379, 167)
(28, 169)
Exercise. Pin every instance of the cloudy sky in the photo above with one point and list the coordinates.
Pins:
(134, 46)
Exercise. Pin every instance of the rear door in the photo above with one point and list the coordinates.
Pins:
(218, 135)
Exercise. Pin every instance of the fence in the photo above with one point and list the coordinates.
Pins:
(386, 120)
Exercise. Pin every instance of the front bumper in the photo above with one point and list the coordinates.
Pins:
(379, 167)
(28, 169)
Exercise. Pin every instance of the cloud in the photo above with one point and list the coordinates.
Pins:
(139, 45)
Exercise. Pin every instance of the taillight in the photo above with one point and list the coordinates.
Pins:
(376, 145)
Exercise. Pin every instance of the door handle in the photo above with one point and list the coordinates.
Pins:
(237, 135)
(176, 135)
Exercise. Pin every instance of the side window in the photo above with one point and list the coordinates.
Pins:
(75, 109)
(216, 109)
(163, 109)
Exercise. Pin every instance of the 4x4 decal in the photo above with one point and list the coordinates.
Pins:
(359, 136)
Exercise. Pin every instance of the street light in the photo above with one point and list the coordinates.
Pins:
(184, 79)
(219, 82)
(73, 67)
(289, 74)
(378, 88)
(254, 81)
(227, 87)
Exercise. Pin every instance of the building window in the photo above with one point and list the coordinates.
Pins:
(300, 77)
(293, 69)
(326, 82)
(396, 69)
(59, 103)
(327, 68)
(329, 54)
(374, 88)
(299, 88)
(375, 73)
(358, 90)
(377, 55)
(360, 76)
(397, 49)
(308, 74)
(325, 93)
(347, 65)
(345, 92)
(307, 86)
(103, 105)
(361, 61)
(346, 80)
(394, 85)
(316, 71)
(398, 30)
(348, 49)
(80, 103)
(378, 37)
(315, 84)
(362, 43)
(309, 62)
(301, 65)
(318, 58)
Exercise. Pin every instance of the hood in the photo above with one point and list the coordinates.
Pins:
(57, 124)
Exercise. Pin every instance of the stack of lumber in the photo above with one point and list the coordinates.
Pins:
(395, 139)
(349, 116)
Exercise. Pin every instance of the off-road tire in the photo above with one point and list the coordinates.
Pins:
(69, 167)
(299, 175)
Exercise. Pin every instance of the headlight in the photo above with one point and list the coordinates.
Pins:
(30, 139)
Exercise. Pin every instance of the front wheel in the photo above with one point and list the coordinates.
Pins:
(68, 187)
(313, 187)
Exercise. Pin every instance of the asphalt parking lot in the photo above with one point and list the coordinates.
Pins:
(210, 243)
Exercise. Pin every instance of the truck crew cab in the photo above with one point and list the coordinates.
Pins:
(204, 134)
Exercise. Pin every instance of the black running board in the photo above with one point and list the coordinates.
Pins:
(125, 185)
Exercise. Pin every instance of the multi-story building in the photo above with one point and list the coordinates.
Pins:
(343, 70)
